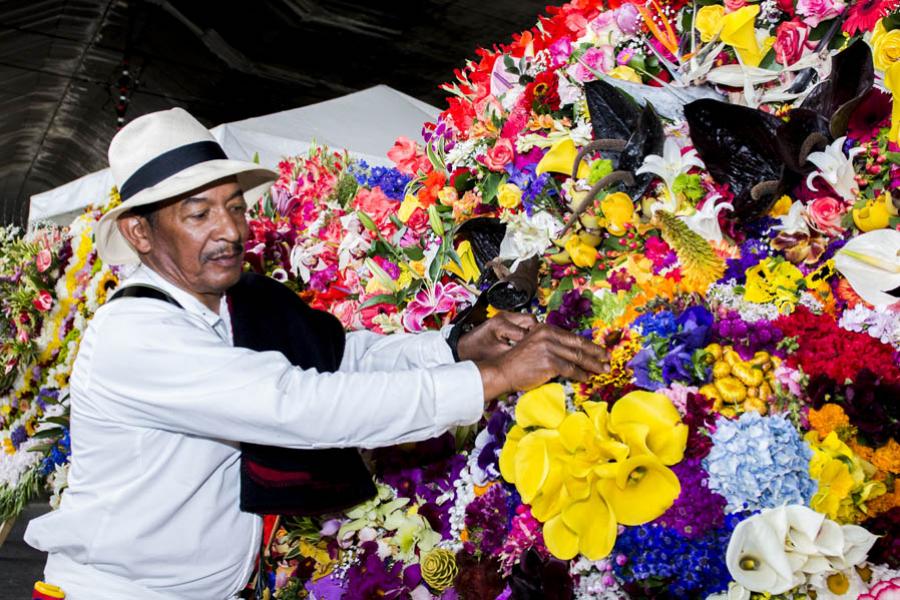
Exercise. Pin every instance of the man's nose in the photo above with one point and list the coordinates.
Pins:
(228, 228)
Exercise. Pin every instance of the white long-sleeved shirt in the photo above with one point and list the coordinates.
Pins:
(160, 399)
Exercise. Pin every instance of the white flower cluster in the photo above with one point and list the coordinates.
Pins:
(465, 494)
(595, 580)
(464, 152)
(725, 295)
(881, 323)
(13, 466)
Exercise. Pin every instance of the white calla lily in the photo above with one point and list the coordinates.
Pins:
(871, 263)
(836, 168)
(794, 221)
(756, 556)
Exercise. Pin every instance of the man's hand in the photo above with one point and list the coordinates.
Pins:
(495, 336)
(543, 353)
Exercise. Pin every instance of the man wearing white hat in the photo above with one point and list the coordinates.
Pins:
(161, 398)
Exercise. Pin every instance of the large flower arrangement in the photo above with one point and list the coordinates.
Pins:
(729, 235)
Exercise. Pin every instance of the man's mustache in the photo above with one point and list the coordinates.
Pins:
(228, 251)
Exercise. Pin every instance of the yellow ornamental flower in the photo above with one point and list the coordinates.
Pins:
(439, 569)
(885, 46)
(509, 195)
(772, 281)
(577, 474)
(739, 32)
(448, 195)
(874, 215)
(583, 255)
(709, 21)
(408, 207)
(892, 82)
(469, 270)
(625, 73)
(845, 480)
(781, 207)
(618, 209)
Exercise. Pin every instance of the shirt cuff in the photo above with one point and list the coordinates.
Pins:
(459, 394)
(435, 349)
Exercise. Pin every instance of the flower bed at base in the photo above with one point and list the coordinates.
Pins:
(730, 238)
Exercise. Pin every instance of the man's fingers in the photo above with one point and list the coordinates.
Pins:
(583, 356)
(577, 342)
(571, 370)
(509, 333)
(524, 320)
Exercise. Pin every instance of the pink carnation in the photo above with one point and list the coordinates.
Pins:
(409, 157)
(816, 11)
(884, 590)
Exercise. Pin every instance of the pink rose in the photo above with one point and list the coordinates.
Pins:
(790, 39)
(408, 157)
(816, 11)
(733, 5)
(825, 215)
(884, 590)
(44, 301)
(44, 259)
(500, 155)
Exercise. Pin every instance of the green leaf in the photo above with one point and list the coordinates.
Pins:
(63, 421)
(556, 297)
(255, 158)
(45, 434)
(435, 220)
(414, 253)
(367, 221)
(891, 22)
(490, 186)
(379, 299)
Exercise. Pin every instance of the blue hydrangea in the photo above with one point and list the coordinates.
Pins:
(759, 462)
(673, 566)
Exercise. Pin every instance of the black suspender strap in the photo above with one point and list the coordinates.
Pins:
(144, 291)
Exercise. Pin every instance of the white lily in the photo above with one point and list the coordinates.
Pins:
(353, 245)
(836, 169)
(871, 263)
(705, 222)
(794, 221)
(304, 258)
(528, 236)
(671, 164)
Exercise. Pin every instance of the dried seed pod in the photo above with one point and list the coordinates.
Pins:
(715, 350)
(760, 359)
(752, 392)
(731, 390)
(710, 391)
(748, 375)
(755, 404)
(731, 357)
(765, 391)
(721, 369)
(561, 258)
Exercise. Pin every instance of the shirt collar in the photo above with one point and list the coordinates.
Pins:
(146, 275)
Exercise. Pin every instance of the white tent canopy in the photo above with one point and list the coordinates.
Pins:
(365, 123)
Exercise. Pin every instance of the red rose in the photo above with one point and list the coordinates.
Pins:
(825, 215)
(787, 6)
(790, 39)
(500, 155)
(44, 301)
(733, 5)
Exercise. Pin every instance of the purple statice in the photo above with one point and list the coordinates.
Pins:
(697, 510)
(17, 436)
(372, 577)
(573, 307)
(752, 251)
(487, 520)
(674, 566)
(747, 338)
(487, 448)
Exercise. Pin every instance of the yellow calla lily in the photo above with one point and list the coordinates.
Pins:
(666, 434)
(560, 159)
(575, 468)
(583, 255)
(874, 215)
(618, 210)
(892, 82)
(625, 73)
(643, 490)
(739, 32)
(544, 406)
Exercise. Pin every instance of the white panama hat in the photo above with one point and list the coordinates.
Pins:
(160, 156)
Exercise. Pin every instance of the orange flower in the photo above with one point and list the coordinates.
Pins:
(830, 417)
(433, 184)
(885, 502)
(887, 458)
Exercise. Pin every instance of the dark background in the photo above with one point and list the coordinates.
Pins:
(62, 65)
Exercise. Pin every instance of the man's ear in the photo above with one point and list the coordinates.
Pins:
(136, 230)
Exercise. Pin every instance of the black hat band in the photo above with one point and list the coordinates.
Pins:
(169, 163)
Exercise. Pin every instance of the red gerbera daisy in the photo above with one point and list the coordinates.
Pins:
(864, 14)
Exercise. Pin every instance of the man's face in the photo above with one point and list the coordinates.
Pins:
(198, 241)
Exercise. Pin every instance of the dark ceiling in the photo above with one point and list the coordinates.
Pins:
(65, 63)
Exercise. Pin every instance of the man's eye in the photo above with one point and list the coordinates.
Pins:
(239, 208)
(199, 215)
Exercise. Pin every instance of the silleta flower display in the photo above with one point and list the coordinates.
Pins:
(708, 190)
